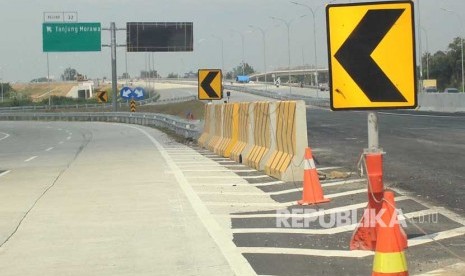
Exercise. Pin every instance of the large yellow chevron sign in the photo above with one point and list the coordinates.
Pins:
(371, 50)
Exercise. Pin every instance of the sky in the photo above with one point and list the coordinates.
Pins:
(22, 58)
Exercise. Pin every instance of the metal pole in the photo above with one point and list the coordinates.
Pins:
(243, 51)
(113, 66)
(420, 49)
(427, 52)
(288, 24)
(2, 83)
(315, 55)
(48, 81)
(373, 133)
(222, 53)
(463, 76)
(264, 57)
(126, 63)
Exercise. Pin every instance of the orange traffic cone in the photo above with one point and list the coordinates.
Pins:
(391, 242)
(312, 192)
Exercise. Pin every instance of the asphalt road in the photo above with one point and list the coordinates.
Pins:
(424, 151)
(99, 199)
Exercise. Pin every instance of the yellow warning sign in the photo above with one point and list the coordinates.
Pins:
(210, 84)
(371, 49)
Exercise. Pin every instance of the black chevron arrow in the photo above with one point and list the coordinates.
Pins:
(206, 84)
(354, 55)
(102, 96)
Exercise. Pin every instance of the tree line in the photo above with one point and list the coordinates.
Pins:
(444, 66)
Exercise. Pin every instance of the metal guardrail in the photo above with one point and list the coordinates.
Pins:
(96, 106)
(187, 129)
(308, 100)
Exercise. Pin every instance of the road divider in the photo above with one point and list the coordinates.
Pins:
(267, 136)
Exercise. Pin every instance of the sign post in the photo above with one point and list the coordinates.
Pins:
(371, 55)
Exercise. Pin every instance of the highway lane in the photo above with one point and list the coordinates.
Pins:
(99, 198)
(424, 151)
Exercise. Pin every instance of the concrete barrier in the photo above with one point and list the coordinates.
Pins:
(231, 129)
(244, 140)
(267, 136)
(218, 128)
(208, 127)
(442, 102)
(290, 135)
(261, 135)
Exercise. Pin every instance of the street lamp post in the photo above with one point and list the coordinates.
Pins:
(461, 42)
(315, 56)
(288, 25)
(243, 49)
(263, 32)
(427, 52)
(222, 52)
(1, 81)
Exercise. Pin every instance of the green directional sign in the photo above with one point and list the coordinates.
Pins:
(71, 37)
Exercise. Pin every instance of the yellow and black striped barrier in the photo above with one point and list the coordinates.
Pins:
(133, 106)
(267, 136)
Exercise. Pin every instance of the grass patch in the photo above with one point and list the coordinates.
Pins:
(176, 109)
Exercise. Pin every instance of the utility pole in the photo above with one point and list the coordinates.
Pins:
(114, 76)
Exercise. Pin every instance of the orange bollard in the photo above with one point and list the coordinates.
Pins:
(312, 192)
(364, 237)
(389, 256)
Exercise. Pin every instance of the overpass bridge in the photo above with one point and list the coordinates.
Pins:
(308, 75)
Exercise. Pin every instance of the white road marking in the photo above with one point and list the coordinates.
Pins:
(307, 252)
(278, 182)
(351, 254)
(313, 214)
(327, 168)
(222, 184)
(210, 165)
(437, 236)
(231, 253)
(216, 177)
(30, 159)
(4, 173)
(68, 138)
(198, 162)
(5, 135)
(255, 176)
(420, 115)
(61, 142)
(283, 192)
(224, 170)
(245, 204)
(337, 183)
(325, 231)
(221, 159)
(49, 149)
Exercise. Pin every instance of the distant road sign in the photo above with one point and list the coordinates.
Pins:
(102, 96)
(160, 36)
(60, 16)
(210, 84)
(128, 93)
(71, 37)
(371, 49)
(138, 93)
